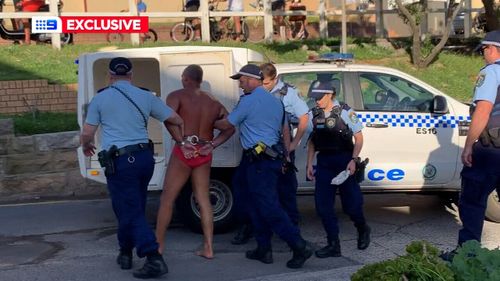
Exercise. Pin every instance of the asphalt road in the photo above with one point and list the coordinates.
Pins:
(74, 240)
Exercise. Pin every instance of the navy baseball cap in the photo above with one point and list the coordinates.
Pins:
(120, 66)
(319, 89)
(492, 38)
(249, 70)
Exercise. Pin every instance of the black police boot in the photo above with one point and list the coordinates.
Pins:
(449, 255)
(330, 250)
(264, 255)
(244, 234)
(154, 267)
(301, 252)
(124, 259)
(363, 237)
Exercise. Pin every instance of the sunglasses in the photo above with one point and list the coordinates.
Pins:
(483, 47)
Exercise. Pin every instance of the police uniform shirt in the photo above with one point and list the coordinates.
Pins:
(259, 116)
(487, 83)
(121, 122)
(294, 105)
(350, 118)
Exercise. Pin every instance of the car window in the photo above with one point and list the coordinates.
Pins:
(384, 92)
(303, 81)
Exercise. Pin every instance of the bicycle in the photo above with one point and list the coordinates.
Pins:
(184, 31)
(151, 35)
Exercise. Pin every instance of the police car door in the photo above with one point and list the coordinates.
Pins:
(408, 145)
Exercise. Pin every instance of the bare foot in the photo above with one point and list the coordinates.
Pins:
(206, 252)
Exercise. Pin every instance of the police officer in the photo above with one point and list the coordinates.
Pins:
(122, 111)
(481, 154)
(334, 127)
(296, 111)
(260, 118)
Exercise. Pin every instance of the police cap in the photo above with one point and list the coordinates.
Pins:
(120, 66)
(249, 70)
(319, 89)
(492, 38)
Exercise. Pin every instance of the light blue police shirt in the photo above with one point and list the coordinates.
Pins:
(259, 116)
(294, 105)
(121, 123)
(487, 83)
(350, 118)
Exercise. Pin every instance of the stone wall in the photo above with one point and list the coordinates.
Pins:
(38, 166)
(27, 95)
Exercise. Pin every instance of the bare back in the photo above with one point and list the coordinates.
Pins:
(198, 109)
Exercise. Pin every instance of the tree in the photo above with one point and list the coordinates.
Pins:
(413, 14)
(491, 14)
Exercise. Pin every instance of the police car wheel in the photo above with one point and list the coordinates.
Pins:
(222, 205)
(493, 209)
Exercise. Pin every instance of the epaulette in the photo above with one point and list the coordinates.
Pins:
(102, 89)
(344, 106)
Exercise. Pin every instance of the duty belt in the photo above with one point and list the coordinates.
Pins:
(133, 148)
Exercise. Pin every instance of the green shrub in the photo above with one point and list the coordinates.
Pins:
(475, 263)
(43, 122)
(421, 263)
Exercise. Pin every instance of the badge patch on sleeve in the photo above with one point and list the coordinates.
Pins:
(480, 79)
(354, 117)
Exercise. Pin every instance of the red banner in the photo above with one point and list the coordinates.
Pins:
(126, 24)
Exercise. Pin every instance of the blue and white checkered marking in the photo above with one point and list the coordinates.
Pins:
(413, 120)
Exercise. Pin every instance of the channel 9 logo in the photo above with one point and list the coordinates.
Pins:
(46, 25)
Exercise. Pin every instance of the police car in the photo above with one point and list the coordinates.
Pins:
(413, 133)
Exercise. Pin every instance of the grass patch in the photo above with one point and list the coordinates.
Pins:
(43, 122)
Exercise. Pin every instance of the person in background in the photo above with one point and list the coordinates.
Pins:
(29, 6)
(193, 6)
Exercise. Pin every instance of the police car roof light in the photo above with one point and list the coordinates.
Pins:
(335, 58)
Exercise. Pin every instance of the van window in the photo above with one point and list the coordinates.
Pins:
(303, 82)
(384, 92)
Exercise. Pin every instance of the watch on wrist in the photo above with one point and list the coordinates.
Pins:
(180, 143)
(356, 159)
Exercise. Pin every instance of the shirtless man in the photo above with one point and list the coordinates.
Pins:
(193, 156)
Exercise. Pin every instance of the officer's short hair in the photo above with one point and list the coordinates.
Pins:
(268, 70)
(195, 72)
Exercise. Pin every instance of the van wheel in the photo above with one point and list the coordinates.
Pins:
(493, 209)
(221, 198)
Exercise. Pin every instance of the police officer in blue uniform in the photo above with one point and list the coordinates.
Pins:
(260, 118)
(481, 154)
(334, 127)
(296, 116)
(122, 111)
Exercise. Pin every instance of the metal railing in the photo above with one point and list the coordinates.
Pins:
(205, 14)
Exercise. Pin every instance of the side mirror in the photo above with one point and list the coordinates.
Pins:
(439, 105)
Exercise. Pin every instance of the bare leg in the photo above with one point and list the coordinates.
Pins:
(27, 32)
(200, 178)
(237, 28)
(176, 177)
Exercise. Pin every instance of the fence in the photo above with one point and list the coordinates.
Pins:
(204, 13)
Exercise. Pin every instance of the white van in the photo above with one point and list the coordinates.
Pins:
(413, 133)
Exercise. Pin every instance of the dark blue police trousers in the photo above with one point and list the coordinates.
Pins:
(256, 186)
(128, 191)
(328, 166)
(477, 184)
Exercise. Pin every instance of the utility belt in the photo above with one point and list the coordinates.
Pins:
(261, 151)
(490, 137)
(106, 157)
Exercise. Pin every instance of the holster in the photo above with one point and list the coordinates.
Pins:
(107, 160)
(359, 174)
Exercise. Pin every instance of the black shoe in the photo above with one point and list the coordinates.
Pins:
(301, 253)
(363, 237)
(261, 254)
(244, 234)
(330, 250)
(154, 267)
(124, 259)
(448, 256)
